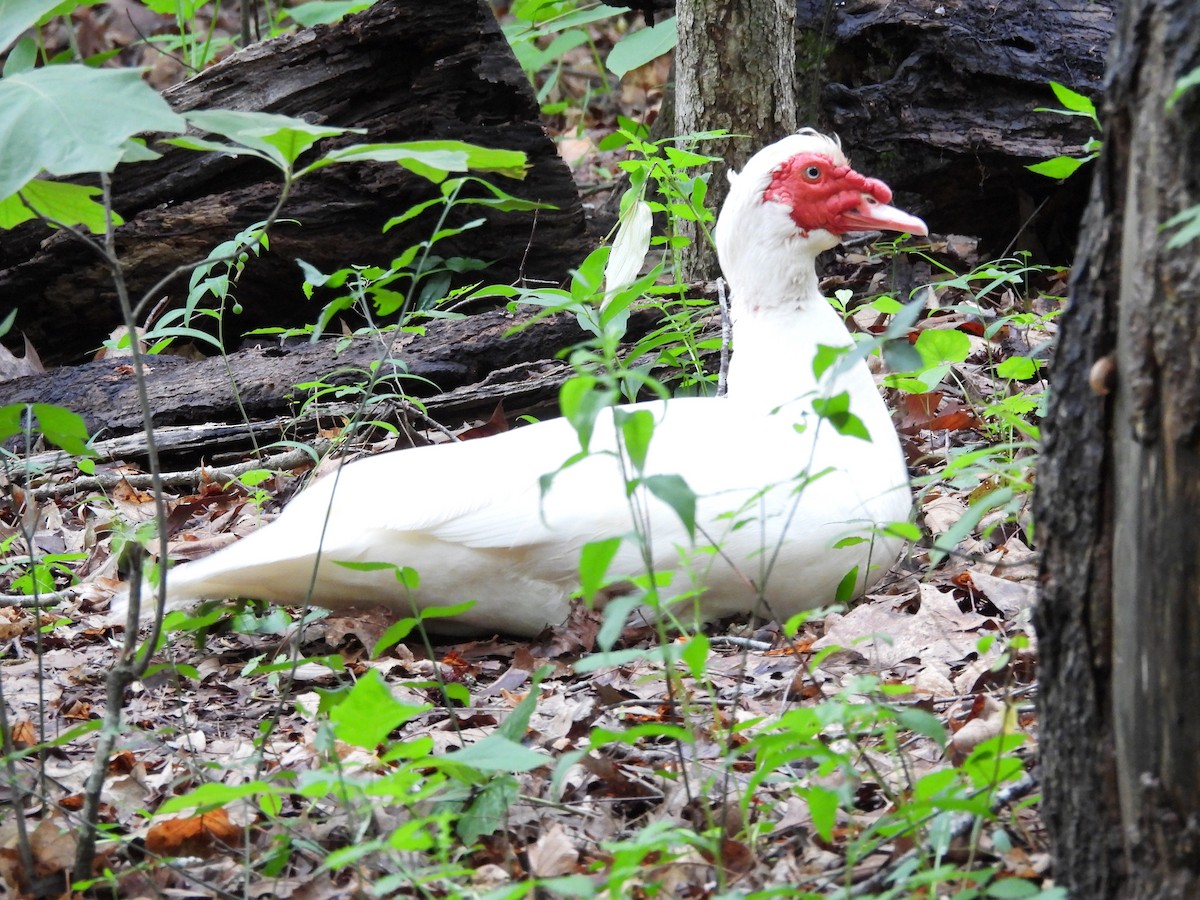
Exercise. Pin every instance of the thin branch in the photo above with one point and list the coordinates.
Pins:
(726, 339)
(30, 601)
(132, 659)
(192, 478)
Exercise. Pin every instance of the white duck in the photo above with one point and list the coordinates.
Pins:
(471, 519)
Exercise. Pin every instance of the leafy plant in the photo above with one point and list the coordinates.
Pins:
(1073, 104)
(543, 32)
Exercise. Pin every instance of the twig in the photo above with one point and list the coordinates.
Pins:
(47, 598)
(525, 256)
(731, 640)
(189, 479)
(726, 338)
(411, 410)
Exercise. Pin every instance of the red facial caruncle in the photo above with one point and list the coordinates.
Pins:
(833, 197)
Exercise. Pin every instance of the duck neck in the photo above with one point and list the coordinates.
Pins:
(780, 320)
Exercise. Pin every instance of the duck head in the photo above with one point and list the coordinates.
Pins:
(801, 195)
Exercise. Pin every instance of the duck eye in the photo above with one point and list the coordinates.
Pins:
(812, 173)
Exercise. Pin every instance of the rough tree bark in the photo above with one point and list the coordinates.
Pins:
(735, 68)
(1118, 492)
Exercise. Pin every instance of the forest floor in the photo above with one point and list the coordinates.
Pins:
(646, 778)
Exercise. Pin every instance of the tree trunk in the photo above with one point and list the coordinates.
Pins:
(735, 68)
(1118, 493)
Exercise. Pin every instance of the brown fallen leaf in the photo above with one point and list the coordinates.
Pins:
(24, 735)
(932, 412)
(78, 711)
(198, 835)
(13, 366)
(53, 844)
(365, 624)
(992, 718)
(1010, 597)
(552, 854)
(939, 634)
(495, 424)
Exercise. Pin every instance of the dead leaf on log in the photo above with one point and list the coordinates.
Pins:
(13, 366)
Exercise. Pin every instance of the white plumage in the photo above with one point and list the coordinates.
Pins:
(471, 519)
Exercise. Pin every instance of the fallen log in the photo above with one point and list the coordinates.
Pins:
(458, 368)
(403, 70)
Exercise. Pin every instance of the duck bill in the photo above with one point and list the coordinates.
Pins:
(871, 215)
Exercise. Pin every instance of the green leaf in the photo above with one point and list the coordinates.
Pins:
(137, 151)
(624, 657)
(488, 811)
(1018, 368)
(369, 713)
(516, 723)
(213, 795)
(1073, 100)
(836, 411)
(846, 587)
(57, 424)
(185, 9)
(826, 356)
(1182, 86)
(22, 57)
(533, 57)
(594, 559)
(674, 491)
(412, 212)
(587, 279)
(326, 12)
(582, 16)
(823, 807)
(51, 121)
(637, 429)
(943, 345)
(967, 522)
(906, 530)
(695, 654)
(639, 48)
(1188, 222)
(923, 723)
(58, 201)
(398, 631)
(1058, 167)
(497, 753)
(18, 16)
(901, 356)
(433, 159)
(334, 663)
(281, 139)
(406, 575)
(1013, 889)
(887, 305)
(581, 399)
(255, 477)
